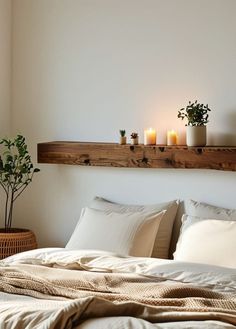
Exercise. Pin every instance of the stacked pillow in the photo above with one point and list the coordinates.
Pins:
(135, 230)
(205, 210)
(127, 234)
(207, 235)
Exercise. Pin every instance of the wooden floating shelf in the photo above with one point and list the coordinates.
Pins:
(137, 156)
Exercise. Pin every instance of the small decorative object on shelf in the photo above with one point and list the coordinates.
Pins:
(134, 138)
(197, 118)
(122, 137)
(172, 137)
(150, 136)
(16, 173)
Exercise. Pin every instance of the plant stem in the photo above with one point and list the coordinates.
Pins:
(6, 207)
(3, 186)
(9, 220)
(20, 192)
(21, 188)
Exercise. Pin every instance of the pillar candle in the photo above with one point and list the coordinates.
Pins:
(171, 137)
(150, 136)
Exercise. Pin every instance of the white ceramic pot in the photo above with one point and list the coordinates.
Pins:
(134, 141)
(196, 136)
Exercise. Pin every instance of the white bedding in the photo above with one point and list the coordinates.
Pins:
(216, 278)
(125, 322)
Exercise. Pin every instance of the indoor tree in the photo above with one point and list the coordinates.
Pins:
(16, 173)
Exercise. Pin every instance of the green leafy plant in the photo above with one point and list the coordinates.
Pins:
(122, 133)
(195, 113)
(134, 135)
(16, 173)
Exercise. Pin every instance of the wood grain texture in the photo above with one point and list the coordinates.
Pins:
(137, 156)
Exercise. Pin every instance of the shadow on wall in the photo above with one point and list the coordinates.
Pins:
(228, 138)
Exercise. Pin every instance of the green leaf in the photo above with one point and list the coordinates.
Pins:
(196, 113)
(16, 167)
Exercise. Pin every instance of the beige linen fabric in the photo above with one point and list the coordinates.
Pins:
(106, 294)
(163, 236)
(73, 286)
(126, 233)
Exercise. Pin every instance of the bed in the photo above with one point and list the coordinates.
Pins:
(86, 288)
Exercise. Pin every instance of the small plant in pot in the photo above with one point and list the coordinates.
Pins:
(197, 118)
(16, 173)
(134, 138)
(122, 137)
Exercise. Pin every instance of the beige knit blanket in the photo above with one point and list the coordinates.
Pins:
(111, 294)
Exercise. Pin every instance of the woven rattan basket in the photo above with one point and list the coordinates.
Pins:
(15, 241)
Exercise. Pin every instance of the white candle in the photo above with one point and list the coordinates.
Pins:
(150, 136)
(171, 137)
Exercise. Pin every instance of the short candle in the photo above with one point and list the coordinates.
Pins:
(171, 137)
(150, 136)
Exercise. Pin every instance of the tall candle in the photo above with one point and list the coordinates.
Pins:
(150, 136)
(171, 137)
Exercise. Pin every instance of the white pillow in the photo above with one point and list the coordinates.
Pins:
(209, 241)
(163, 237)
(206, 210)
(127, 234)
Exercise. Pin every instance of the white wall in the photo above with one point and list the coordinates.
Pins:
(83, 69)
(5, 66)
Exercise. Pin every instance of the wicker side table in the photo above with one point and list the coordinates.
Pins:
(16, 240)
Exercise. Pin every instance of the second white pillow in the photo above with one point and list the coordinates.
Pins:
(209, 241)
(128, 234)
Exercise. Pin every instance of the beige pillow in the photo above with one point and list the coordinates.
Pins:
(163, 237)
(130, 233)
(206, 210)
(209, 241)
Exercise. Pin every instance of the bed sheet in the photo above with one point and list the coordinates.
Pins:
(217, 279)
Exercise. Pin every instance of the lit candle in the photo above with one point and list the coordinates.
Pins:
(150, 136)
(171, 137)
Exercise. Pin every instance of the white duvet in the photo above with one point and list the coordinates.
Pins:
(220, 279)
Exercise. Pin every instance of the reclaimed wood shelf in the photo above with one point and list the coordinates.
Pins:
(137, 156)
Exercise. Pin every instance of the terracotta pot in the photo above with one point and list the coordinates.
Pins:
(16, 240)
(196, 136)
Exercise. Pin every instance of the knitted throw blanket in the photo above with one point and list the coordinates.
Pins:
(80, 294)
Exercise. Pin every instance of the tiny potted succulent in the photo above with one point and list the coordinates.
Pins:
(197, 117)
(122, 137)
(134, 138)
(16, 173)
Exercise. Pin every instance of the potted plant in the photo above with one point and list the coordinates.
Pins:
(16, 173)
(122, 137)
(134, 138)
(197, 118)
